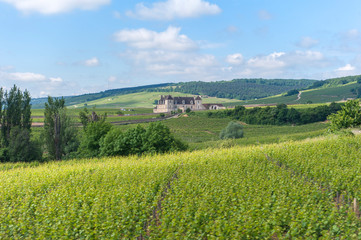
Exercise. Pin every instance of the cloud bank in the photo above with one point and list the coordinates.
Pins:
(48, 7)
(173, 9)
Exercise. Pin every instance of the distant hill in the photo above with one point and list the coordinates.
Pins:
(330, 90)
(143, 100)
(243, 89)
(251, 91)
(73, 100)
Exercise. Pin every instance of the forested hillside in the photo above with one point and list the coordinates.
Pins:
(334, 82)
(243, 89)
(71, 100)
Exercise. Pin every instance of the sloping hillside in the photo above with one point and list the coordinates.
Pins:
(235, 89)
(243, 89)
(323, 94)
(142, 99)
(306, 190)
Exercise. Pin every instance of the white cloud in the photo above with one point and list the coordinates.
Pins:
(264, 15)
(142, 38)
(235, 59)
(25, 77)
(56, 80)
(55, 6)
(347, 67)
(92, 62)
(296, 64)
(307, 42)
(267, 62)
(172, 9)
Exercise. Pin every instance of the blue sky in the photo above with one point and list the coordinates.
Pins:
(67, 47)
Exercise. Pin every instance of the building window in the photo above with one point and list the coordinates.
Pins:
(183, 102)
(191, 102)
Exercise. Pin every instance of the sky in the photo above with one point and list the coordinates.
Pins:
(71, 47)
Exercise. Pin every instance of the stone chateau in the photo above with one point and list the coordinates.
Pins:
(168, 104)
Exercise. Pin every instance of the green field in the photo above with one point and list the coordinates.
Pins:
(320, 95)
(293, 190)
(201, 132)
(142, 100)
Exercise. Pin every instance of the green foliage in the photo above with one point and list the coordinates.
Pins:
(157, 138)
(90, 141)
(15, 121)
(15, 111)
(306, 190)
(233, 130)
(60, 134)
(292, 92)
(243, 89)
(86, 118)
(188, 110)
(21, 148)
(279, 115)
(349, 116)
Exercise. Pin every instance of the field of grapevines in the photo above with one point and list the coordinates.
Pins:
(307, 190)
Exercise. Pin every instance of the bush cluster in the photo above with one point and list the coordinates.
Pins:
(100, 139)
(279, 115)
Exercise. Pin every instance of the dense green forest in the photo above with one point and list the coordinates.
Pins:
(243, 89)
(333, 82)
(279, 115)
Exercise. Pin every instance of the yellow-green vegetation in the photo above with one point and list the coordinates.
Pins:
(74, 112)
(143, 99)
(302, 190)
(201, 132)
(318, 95)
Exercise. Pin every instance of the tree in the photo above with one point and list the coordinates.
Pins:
(15, 119)
(90, 141)
(233, 130)
(348, 116)
(21, 148)
(16, 111)
(59, 132)
(157, 138)
(86, 118)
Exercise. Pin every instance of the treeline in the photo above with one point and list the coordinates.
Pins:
(15, 120)
(72, 100)
(242, 89)
(279, 115)
(333, 82)
(61, 138)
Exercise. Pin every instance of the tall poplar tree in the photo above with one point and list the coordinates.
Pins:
(59, 133)
(15, 119)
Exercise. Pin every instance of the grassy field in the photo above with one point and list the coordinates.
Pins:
(201, 132)
(320, 95)
(306, 189)
(142, 100)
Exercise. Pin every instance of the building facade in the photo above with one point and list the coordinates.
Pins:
(168, 104)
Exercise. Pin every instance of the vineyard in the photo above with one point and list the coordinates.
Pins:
(304, 189)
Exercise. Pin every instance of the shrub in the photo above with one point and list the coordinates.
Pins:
(90, 142)
(233, 130)
(348, 116)
(157, 138)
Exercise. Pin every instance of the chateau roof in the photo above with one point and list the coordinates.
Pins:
(198, 98)
(187, 100)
